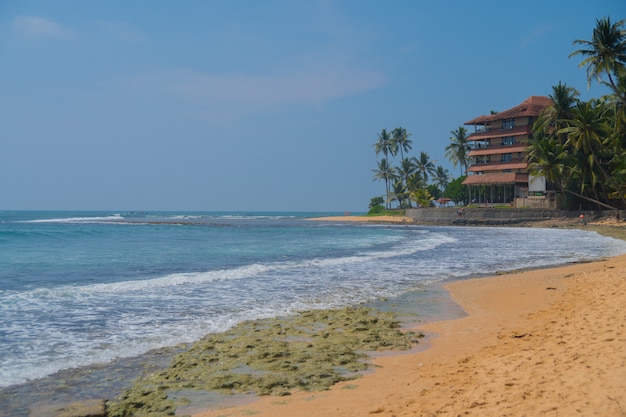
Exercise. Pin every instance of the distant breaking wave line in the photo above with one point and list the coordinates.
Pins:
(76, 219)
(243, 272)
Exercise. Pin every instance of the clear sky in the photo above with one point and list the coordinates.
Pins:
(257, 105)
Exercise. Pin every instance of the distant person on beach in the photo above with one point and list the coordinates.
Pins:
(582, 219)
(460, 212)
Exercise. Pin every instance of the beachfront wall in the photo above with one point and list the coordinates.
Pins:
(495, 217)
(498, 173)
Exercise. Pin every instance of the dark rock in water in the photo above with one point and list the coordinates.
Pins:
(87, 408)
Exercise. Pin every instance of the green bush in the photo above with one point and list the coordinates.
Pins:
(376, 210)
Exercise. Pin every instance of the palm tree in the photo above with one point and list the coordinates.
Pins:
(552, 117)
(458, 148)
(605, 53)
(551, 159)
(425, 166)
(401, 140)
(405, 170)
(399, 192)
(589, 133)
(385, 172)
(442, 177)
(385, 145)
(422, 197)
(588, 128)
(414, 182)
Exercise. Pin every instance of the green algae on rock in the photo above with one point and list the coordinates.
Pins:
(310, 351)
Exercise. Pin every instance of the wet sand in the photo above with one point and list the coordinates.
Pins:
(548, 342)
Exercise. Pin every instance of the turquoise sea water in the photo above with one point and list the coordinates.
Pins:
(85, 288)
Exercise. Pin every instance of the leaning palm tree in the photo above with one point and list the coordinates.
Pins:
(385, 172)
(458, 148)
(425, 166)
(605, 53)
(588, 132)
(401, 140)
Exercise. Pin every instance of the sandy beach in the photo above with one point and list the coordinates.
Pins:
(545, 342)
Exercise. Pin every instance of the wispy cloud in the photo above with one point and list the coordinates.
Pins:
(312, 87)
(122, 31)
(38, 27)
(537, 33)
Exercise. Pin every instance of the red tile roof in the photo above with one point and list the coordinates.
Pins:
(501, 178)
(532, 106)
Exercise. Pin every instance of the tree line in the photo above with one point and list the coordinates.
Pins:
(414, 180)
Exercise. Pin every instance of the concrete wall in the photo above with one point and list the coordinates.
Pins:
(491, 216)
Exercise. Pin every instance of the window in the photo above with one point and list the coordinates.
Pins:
(506, 157)
(508, 123)
(508, 140)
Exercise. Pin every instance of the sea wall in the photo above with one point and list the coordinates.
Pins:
(494, 216)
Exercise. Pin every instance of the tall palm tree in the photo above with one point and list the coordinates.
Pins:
(385, 172)
(405, 170)
(441, 177)
(401, 140)
(385, 145)
(425, 166)
(458, 148)
(605, 53)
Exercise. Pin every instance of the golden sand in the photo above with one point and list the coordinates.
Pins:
(546, 342)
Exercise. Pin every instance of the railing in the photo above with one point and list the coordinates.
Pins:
(498, 162)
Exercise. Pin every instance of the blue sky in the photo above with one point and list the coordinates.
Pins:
(257, 105)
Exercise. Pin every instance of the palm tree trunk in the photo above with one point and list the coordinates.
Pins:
(599, 203)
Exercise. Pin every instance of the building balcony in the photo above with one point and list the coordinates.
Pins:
(498, 149)
(513, 164)
(498, 133)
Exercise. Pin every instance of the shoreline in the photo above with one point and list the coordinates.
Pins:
(539, 342)
(428, 343)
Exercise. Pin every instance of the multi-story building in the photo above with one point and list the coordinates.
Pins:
(498, 173)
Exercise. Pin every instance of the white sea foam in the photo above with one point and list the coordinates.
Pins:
(96, 219)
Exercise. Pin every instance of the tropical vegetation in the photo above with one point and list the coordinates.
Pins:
(412, 179)
(580, 146)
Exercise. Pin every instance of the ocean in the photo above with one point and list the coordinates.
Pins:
(86, 288)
